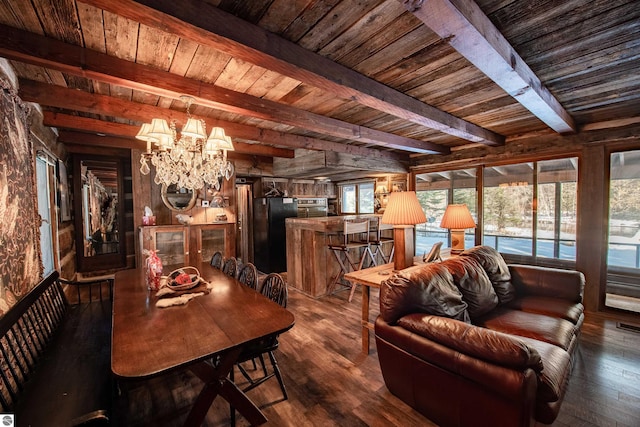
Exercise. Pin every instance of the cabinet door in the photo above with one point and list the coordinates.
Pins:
(210, 240)
(172, 245)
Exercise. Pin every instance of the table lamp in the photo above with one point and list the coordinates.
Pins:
(457, 218)
(403, 212)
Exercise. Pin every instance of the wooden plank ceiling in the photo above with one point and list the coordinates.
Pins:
(380, 80)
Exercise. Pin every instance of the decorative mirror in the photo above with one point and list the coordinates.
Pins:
(178, 199)
(98, 202)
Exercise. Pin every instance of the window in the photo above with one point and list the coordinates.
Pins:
(557, 208)
(435, 191)
(357, 198)
(624, 210)
(530, 208)
(43, 176)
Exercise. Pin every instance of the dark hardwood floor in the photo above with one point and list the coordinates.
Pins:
(330, 382)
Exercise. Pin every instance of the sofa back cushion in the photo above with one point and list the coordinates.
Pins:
(497, 270)
(429, 289)
(474, 284)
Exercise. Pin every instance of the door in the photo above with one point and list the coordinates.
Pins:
(243, 232)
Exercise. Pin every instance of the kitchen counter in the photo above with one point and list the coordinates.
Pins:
(311, 265)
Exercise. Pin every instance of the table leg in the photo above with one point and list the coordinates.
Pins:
(217, 383)
(366, 290)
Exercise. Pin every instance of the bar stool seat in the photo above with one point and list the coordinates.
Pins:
(355, 236)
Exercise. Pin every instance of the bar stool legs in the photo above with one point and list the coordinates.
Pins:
(355, 236)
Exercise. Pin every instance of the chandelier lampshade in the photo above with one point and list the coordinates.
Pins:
(194, 129)
(190, 161)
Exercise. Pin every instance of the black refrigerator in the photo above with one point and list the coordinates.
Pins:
(269, 245)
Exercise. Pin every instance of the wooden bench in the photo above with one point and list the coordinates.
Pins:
(55, 367)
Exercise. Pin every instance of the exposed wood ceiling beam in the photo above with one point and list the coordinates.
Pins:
(210, 26)
(84, 124)
(93, 140)
(469, 31)
(311, 164)
(49, 53)
(71, 99)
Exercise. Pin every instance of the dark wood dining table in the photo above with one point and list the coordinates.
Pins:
(149, 341)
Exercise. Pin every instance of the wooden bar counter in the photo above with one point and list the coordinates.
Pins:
(311, 266)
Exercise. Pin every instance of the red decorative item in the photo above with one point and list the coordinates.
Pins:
(153, 267)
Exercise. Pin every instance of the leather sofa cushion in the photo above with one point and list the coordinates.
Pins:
(549, 306)
(474, 284)
(549, 329)
(429, 289)
(491, 346)
(554, 378)
(497, 270)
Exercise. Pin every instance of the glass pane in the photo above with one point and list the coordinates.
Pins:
(212, 241)
(349, 199)
(508, 213)
(556, 208)
(365, 197)
(170, 247)
(46, 240)
(434, 203)
(468, 197)
(624, 210)
(435, 190)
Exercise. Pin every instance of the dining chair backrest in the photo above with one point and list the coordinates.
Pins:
(230, 267)
(217, 259)
(275, 288)
(249, 276)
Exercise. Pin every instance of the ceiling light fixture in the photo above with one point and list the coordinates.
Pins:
(191, 161)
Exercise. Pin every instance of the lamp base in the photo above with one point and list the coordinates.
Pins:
(457, 241)
(404, 247)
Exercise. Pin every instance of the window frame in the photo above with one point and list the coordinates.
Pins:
(357, 196)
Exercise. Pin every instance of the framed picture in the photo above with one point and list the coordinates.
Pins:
(63, 192)
(398, 186)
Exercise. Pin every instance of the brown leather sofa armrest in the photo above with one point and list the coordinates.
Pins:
(490, 346)
(548, 282)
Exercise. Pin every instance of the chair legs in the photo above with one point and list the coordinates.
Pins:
(276, 372)
(349, 265)
(255, 383)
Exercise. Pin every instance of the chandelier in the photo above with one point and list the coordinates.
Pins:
(191, 161)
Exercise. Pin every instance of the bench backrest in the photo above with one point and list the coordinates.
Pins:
(25, 331)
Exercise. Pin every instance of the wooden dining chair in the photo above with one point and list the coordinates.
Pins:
(230, 267)
(248, 275)
(217, 259)
(275, 288)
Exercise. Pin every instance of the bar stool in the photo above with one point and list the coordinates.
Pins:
(378, 241)
(355, 236)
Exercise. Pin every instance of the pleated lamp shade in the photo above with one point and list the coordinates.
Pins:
(403, 208)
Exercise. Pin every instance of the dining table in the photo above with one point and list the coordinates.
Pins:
(206, 335)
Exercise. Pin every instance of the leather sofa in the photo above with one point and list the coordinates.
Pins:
(472, 341)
